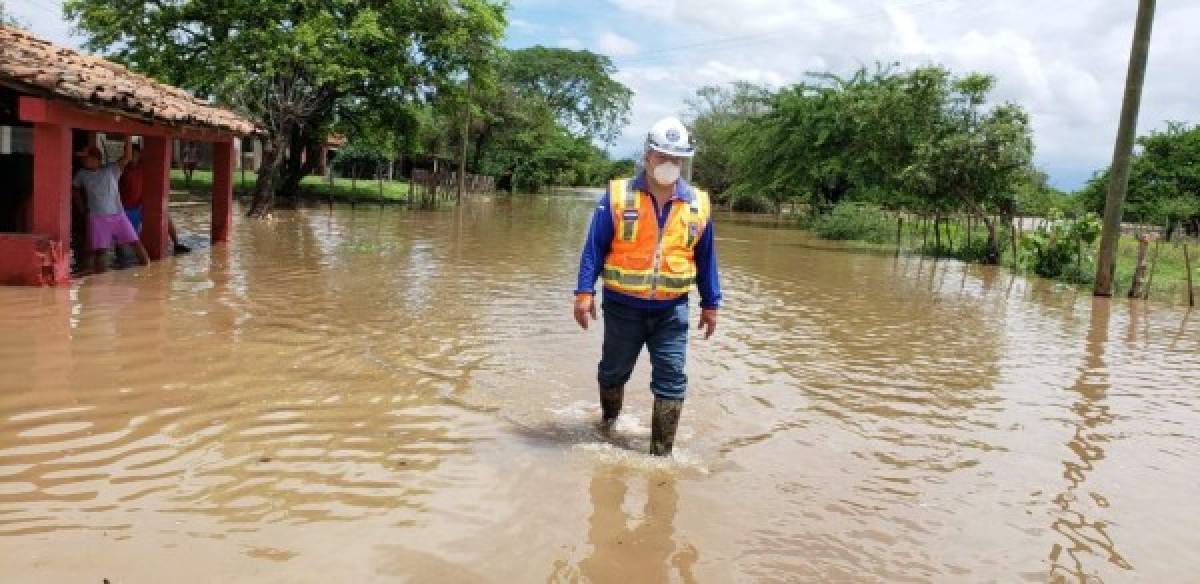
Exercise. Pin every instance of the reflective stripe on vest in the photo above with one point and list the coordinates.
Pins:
(631, 206)
(631, 267)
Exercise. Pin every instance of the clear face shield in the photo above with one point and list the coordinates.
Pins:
(685, 170)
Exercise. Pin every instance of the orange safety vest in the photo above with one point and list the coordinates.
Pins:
(643, 261)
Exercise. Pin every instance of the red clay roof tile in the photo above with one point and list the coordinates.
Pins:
(88, 80)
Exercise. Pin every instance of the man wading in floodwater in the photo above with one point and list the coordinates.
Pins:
(651, 238)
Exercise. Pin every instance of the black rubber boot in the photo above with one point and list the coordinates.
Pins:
(663, 425)
(610, 404)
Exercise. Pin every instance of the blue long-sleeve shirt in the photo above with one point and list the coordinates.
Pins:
(599, 242)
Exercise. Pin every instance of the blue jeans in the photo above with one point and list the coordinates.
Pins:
(663, 332)
(135, 218)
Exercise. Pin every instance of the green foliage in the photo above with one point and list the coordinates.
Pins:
(976, 249)
(1035, 197)
(539, 122)
(1061, 247)
(715, 116)
(623, 167)
(859, 221)
(1164, 178)
(577, 86)
(973, 159)
(335, 46)
(291, 63)
(919, 140)
(751, 203)
(830, 138)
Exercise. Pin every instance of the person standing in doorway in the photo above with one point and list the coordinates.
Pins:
(107, 221)
(131, 184)
(651, 239)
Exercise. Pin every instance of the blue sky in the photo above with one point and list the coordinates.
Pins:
(1064, 61)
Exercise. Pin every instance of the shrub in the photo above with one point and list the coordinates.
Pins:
(1061, 248)
(859, 221)
(752, 204)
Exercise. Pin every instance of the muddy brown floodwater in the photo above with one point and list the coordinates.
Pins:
(382, 395)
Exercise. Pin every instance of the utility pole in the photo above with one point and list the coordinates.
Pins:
(1106, 264)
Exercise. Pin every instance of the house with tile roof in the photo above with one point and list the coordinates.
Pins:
(53, 102)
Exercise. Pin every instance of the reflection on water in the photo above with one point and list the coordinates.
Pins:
(374, 394)
(1078, 521)
(632, 545)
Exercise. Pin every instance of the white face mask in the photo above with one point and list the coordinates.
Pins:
(666, 173)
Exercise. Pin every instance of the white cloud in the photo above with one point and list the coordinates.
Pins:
(615, 45)
(523, 25)
(715, 72)
(570, 43)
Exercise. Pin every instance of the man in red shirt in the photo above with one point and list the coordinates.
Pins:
(131, 183)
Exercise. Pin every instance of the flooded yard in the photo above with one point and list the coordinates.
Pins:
(360, 395)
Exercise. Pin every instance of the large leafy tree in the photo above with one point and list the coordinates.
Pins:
(539, 123)
(830, 137)
(289, 63)
(921, 140)
(975, 157)
(1164, 180)
(577, 86)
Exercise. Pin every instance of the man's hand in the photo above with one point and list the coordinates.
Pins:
(708, 321)
(585, 309)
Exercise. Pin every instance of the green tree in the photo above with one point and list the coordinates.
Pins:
(577, 86)
(1035, 196)
(976, 157)
(1164, 180)
(830, 138)
(537, 125)
(289, 63)
(715, 115)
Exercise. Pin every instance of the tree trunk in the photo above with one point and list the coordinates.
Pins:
(993, 243)
(268, 171)
(305, 146)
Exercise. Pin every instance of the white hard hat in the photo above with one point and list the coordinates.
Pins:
(670, 137)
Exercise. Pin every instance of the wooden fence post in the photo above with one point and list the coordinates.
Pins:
(1012, 227)
(1153, 266)
(1187, 265)
(1138, 288)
